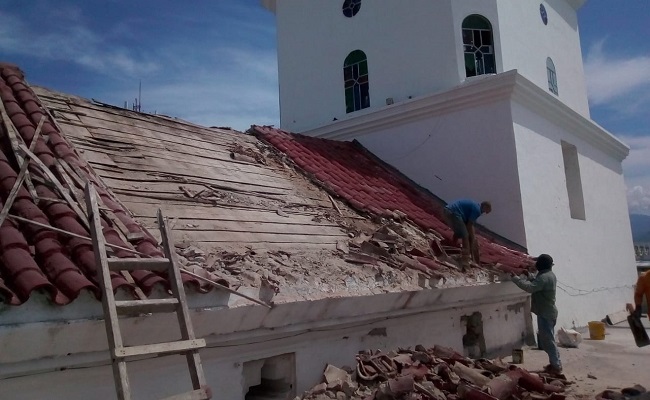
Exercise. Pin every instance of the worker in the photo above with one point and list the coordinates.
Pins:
(642, 288)
(460, 217)
(543, 288)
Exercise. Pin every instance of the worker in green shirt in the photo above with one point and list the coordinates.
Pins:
(542, 288)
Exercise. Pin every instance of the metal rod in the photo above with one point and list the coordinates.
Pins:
(227, 289)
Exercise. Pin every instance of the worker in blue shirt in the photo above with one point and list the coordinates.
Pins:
(461, 215)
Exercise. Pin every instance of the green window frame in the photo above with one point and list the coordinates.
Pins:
(478, 46)
(357, 86)
(552, 76)
(350, 8)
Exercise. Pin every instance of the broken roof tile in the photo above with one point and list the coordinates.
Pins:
(351, 172)
(36, 258)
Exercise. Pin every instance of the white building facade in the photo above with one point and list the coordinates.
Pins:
(473, 98)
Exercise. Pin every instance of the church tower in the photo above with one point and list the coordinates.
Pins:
(339, 59)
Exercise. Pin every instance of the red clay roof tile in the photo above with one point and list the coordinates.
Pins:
(35, 258)
(353, 174)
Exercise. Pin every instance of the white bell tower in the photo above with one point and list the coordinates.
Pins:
(338, 59)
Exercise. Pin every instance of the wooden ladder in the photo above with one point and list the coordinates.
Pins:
(120, 354)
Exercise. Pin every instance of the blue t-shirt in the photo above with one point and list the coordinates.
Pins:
(468, 210)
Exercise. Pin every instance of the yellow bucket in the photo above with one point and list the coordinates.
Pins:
(596, 330)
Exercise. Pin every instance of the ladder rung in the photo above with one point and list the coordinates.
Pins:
(135, 264)
(146, 306)
(200, 394)
(180, 346)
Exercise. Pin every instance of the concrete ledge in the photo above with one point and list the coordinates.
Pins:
(83, 342)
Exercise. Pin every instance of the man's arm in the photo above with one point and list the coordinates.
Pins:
(531, 286)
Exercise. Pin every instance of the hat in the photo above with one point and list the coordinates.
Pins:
(543, 261)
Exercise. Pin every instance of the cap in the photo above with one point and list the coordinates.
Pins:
(543, 261)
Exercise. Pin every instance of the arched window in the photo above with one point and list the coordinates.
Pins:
(552, 76)
(355, 74)
(351, 7)
(478, 46)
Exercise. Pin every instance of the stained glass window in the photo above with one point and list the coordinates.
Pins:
(478, 46)
(351, 7)
(355, 75)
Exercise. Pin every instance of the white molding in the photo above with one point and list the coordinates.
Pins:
(548, 106)
(474, 92)
(504, 86)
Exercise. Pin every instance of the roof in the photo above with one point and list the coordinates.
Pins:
(36, 257)
(241, 212)
(352, 173)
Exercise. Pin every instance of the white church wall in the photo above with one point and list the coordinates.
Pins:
(467, 153)
(414, 50)
(505, 326)
(409, 48)
(589, 254)
(526, 43)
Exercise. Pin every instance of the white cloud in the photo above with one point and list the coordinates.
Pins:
(638, 200)
(71, 41)
(611, 78)
(233, 87)
(637, 174)
(225, 81)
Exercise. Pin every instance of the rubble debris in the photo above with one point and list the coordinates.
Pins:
(438, 373)
(246, 154)
(636, 392)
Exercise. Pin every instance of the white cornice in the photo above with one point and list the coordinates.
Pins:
(508, 85)
(544, 104)
(473, 93)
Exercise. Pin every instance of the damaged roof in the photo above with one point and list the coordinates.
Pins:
(242, 212)
(351, 172)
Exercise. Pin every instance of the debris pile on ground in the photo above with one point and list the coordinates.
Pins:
(636, 392)
(438, 373)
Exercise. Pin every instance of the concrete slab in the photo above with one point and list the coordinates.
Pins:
(615, 362)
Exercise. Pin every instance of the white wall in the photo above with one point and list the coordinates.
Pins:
(468, 153)
(412, 51)
(526, 43)
(499, 138)
(405, 46)
(589, 254)
(505, 323)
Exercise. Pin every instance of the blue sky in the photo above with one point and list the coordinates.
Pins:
(214, 62)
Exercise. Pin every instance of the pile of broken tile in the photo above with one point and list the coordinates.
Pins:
(636, 392)
(438, 373)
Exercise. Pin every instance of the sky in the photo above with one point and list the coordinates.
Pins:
(214, 62)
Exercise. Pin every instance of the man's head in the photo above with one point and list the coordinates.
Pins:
(486, 207)
(543, 262)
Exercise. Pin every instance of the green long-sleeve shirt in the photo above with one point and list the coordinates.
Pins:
(542, 287)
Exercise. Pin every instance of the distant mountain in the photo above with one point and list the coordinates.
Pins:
(640, 227)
